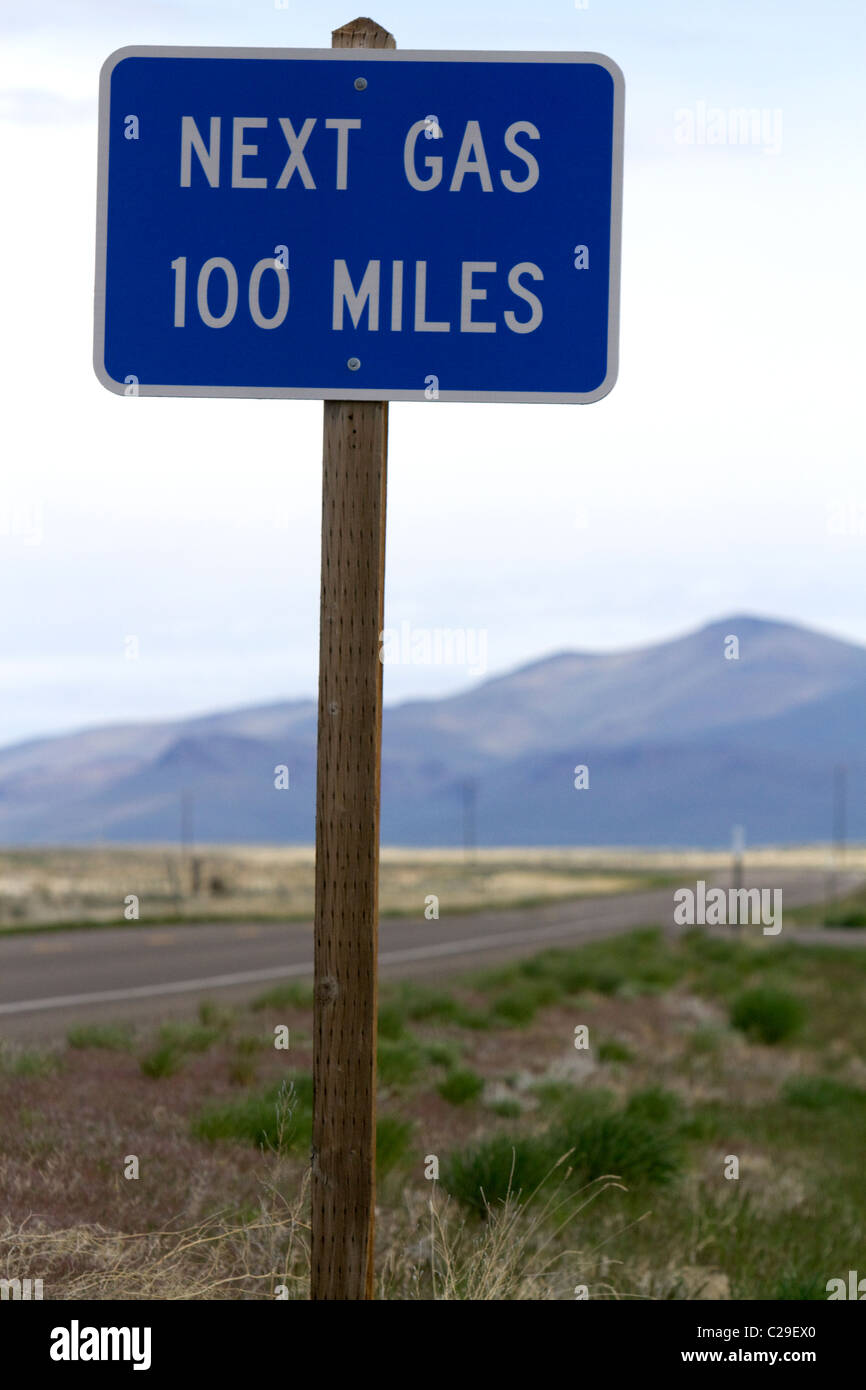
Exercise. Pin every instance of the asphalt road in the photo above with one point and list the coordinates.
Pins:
(50, 981)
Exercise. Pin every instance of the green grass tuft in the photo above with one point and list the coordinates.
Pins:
(705, 1040)
(804, 1288)
(242, 1071)
(392, 1141)
(820, 1093)
(626, 1145)
(655, 1104)
(489, 1171)
(188, 1037)
(28, 1062)
(518, 1005)
(111, 1037)
(443, 1054)
(279, 1118)
(294, 994)
(212, 1015)
(423, 1005)
(162, 1060)
(392, 1021)
(461, 1086)
(398, 1062)
(767, 1014)
(639, 1144)
(508, 1109)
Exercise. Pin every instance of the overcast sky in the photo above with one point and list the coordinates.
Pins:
(723, 474)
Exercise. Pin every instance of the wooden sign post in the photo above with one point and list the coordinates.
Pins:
(347, 829)
(191, 322)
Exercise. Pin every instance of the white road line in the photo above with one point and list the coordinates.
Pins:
(282, 972)
(476, 943)
(106, 996)
(468, 946)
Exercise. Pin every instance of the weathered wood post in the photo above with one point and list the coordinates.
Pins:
(347, 829)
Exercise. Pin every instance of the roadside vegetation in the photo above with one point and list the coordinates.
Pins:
(560, 1167)
(848, 911)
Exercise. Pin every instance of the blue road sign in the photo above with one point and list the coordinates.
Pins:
(359, 224)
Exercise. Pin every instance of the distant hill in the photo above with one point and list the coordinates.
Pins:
(680, 743)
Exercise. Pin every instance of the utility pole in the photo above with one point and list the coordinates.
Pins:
(187, 804)
(738, 845)
(840, 827)
(470, 797)
(840, 807)
(187, 843)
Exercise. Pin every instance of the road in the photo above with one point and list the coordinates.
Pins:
(50, 981)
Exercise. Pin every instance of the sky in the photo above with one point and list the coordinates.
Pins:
(168, 563)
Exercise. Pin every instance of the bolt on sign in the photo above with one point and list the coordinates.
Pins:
(356, 225)
(359, 224)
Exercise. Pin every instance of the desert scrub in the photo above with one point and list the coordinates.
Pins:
(214, 1258)
(506, 1108)
(242, 1071)
(461, 1086)
(188, 1037)
(640, 962)
(279, 1118)
(443, 1054)
(589, 1140)
(821, 1093)
(163, 1060)
(497, 1168)
(399, 1062)
(632, 1147)
(424, 1005)
(392, 1142)
(510, 1255)
(657, 1105)
(767, 1014)
(519, 1004)
(245, 1253)
(245, 1052)
(705, 1040)
(212, 1015)
(111, 1037)
(28, 1062)
(392, 1021)
(295, 994)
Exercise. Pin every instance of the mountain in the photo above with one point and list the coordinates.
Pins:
(681, 743)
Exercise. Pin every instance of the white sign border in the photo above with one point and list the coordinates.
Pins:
(360, 56)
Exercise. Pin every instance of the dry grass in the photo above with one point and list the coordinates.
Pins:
(247, 881)
(90, 885)
(218, 1216)
(43, 886)
(213, 1259)
(518, 1253)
